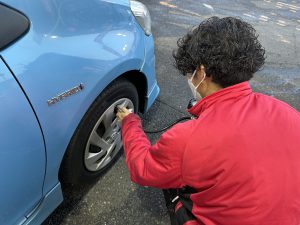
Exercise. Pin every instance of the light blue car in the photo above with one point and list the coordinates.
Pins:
(65, 65)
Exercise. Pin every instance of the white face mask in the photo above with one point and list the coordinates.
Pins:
(196, 94)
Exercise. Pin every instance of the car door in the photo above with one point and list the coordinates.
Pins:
(22, 151)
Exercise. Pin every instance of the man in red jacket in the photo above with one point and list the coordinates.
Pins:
(238, 162)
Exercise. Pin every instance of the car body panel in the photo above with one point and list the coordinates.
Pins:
(22, 152)
(94, 63)
(46, 206)
(120, 2)
(72, 43)
(149, 68)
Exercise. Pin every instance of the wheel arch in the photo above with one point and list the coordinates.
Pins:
(138, 79)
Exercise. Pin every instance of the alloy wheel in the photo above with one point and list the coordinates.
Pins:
(105, 140)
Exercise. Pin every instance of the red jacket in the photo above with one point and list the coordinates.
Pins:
(241, 155)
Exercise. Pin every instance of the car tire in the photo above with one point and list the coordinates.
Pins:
(97, 143)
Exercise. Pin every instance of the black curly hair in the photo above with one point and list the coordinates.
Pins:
(227, 47)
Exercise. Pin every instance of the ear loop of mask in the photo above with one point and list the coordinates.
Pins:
(196, 87)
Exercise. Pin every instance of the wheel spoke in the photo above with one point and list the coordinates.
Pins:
(118, 138)
(94, 157)
(108, 117)
(110, 130)
(98, 141)
(114, 123)
(117, 145)
(125, 103)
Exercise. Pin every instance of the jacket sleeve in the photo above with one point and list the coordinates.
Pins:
(158, 165)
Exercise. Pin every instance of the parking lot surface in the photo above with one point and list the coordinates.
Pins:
(114, 199)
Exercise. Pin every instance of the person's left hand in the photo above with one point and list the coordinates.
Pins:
(122, 113)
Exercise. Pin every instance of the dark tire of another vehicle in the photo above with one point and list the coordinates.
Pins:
(97, 143)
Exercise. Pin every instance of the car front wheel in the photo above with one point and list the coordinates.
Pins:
(97, 141)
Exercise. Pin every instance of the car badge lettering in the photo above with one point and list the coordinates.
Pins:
(65, 94)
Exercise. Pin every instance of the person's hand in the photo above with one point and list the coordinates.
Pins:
(122, 113)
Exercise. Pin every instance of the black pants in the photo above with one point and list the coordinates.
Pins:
(184, 213)
(169, 195)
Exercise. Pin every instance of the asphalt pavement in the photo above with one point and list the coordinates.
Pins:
(114, 199)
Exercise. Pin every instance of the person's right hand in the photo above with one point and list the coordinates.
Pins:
(122, 113)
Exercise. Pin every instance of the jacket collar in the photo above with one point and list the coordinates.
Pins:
(234, 91)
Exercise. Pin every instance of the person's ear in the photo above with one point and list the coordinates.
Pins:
(202, 70)
(201, 73)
